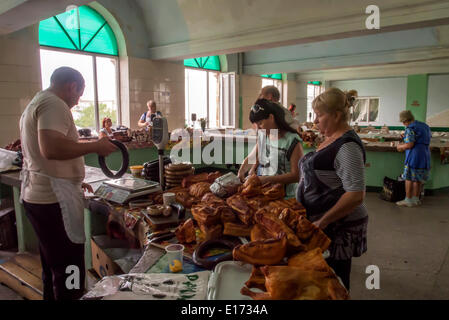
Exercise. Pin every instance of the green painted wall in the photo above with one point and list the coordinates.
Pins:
(114, 160)
(417, 86)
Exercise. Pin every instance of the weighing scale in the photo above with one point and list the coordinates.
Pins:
(121, 190)
(124, 189)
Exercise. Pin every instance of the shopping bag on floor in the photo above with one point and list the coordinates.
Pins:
(393, 190)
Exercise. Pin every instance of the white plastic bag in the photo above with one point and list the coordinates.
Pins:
(6, 158)
(152, 286)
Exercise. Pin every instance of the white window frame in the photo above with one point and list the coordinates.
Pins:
(367, 122)
(311, 98)
(222, 101)
(229, 104)
(95, 80)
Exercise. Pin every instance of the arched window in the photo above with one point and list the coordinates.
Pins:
(210, 63)
(210, 94)
(82, 39)
(277, 76)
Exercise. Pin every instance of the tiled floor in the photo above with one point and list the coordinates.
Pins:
(410, 246)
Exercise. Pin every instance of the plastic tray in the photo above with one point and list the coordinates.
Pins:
(227, 280)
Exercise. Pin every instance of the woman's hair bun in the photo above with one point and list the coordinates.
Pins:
(350, 98)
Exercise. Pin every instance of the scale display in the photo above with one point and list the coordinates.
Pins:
(132, 184)
(122, 190)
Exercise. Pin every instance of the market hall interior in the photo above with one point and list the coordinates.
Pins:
(305, 48)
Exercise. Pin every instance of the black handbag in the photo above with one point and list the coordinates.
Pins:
(393, 190)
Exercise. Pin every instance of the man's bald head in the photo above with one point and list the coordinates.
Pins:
(66, 75)
(151, 106)
(68, 84)
(270, 93)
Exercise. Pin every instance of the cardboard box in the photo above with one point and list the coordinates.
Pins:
(8, 230)
(103, 264)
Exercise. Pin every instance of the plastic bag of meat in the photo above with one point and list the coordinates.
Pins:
(225, 185)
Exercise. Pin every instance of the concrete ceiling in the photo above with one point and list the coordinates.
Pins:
(18, 14)
(386, 48)
(187, 28)
(292, 36)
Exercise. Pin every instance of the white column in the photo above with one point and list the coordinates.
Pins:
(301, 100)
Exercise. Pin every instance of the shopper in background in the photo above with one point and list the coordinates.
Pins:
(52, 175)
(106, 128)
(292, 109)
(332, 183)
(146, 119)
(271, 93)
(417, 157)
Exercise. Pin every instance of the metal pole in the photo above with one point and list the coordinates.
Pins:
(161, 167)
(96, 104)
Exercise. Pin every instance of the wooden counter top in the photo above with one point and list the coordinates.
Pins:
(11, 179)
(387, 147)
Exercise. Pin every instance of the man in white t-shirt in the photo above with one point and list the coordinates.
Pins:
(146, 119)
(52, 175)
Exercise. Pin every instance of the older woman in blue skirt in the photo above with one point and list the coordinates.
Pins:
(417, 157)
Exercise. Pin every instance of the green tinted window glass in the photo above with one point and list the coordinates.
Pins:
(91, 22)
(81, 29)
(191, 63)
(277, 76)
(103, 42)
(210, 63)
(48, 36)
(69, 22)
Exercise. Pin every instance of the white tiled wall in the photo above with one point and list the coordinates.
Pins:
(20, 79)
(159, 81)
(290, 87)
(301, 100)
(250, 90)
(251, 86)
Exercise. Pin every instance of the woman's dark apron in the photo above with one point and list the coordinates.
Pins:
(348, 235)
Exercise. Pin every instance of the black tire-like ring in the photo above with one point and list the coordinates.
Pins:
(210, 264)
(125, 162)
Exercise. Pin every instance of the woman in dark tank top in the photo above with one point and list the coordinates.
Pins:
(332, 185)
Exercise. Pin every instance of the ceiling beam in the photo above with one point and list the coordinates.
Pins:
(350, 60)
(394, 19)
(20, 14)
(436, 66)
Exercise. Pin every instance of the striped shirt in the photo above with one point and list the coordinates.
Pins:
(349, 173)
